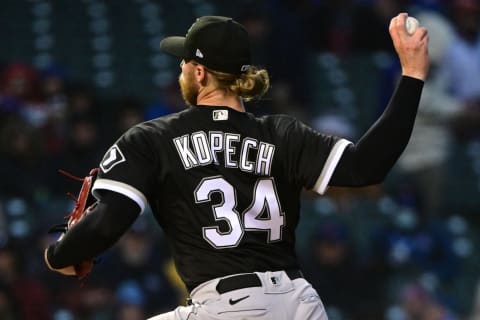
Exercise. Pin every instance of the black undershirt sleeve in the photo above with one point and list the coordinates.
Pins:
(96, 232)
(371, 158)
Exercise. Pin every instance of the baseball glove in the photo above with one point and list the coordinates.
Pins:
(84, 203)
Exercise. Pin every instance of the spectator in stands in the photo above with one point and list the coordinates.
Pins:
(19, 87)
(462, 64)
(424, 162)
(53, 89)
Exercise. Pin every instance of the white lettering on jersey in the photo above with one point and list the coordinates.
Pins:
(245, 165)
(112, 157)
(200, 149)
(216, 144)
(189, 160)
(265, 154)
(230, 150)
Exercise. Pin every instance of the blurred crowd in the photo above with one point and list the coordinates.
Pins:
(402, 250)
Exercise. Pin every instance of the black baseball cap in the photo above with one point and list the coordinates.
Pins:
(218, 43)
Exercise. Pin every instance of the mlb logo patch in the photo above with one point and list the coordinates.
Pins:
(220, 115)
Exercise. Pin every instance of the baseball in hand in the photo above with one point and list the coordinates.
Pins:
(411, 25)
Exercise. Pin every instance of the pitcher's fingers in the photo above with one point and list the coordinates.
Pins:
(401, 27)
(393, 27)
(421, 33)
(424, 41)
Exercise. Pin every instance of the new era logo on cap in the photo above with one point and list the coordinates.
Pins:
(199, 53)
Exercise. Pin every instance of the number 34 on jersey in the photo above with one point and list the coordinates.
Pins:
(264, 198)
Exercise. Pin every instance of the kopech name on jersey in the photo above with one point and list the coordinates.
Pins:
(201, 149)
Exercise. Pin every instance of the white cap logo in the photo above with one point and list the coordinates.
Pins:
(199, 53)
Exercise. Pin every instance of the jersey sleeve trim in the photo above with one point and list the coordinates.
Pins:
(333, 158)
(122, 188)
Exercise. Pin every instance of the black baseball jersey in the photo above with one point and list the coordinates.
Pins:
(224, 185)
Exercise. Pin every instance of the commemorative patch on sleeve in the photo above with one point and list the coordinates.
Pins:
(112, 157)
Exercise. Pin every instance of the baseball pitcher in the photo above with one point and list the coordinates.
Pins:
(225, 185)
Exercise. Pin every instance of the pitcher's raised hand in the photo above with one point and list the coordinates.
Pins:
(412, 49)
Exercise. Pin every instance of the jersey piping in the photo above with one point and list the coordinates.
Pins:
(333, 158)
(122, 188)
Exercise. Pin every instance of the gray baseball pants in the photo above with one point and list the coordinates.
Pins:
(276, 297)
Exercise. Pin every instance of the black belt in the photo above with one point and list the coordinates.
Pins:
(248, 280)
